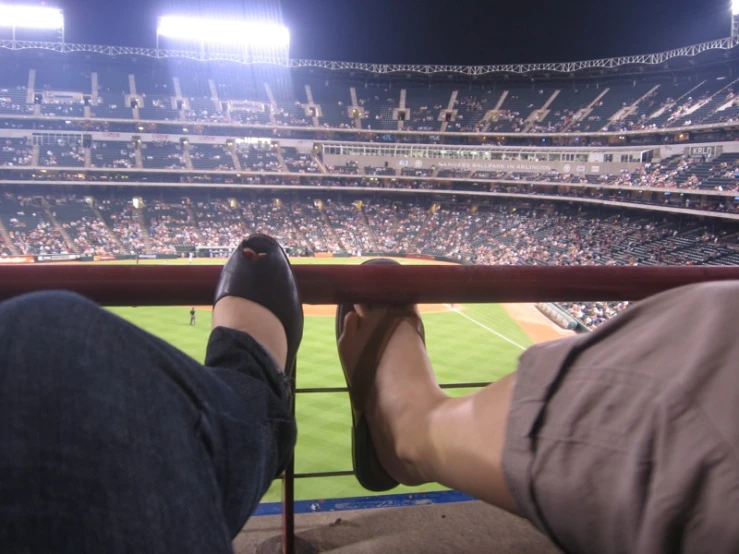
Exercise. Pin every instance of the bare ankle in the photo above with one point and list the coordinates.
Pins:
(430, 453)
(412, 439)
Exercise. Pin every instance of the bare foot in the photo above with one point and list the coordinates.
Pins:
(256, 320)
(401, 399)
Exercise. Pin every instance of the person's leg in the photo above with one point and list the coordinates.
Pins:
(112, 440)
(422, 435)
(620, 440)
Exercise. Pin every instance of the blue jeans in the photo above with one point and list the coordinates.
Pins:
(113, 441)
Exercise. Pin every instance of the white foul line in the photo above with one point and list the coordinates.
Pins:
(514, 343)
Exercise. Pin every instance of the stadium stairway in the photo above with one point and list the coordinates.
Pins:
(582, 114)
(702, 110)
(194, 221)
(540, 114)
(331, 230)
(318, 162)
(414, 241)
(281, 159)
(671, 161)
(465, 527)
(234, 158)
(295, 227)
(102, 219)
(7, 241)
(187, 155)
(370, 231)
(139, 157)
(626, 111)
(141, 218)
(62, 231)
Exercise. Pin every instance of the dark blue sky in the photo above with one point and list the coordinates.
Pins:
(431, 31)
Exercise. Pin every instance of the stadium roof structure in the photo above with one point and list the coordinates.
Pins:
(715, 51)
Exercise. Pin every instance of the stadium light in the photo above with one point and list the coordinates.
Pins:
(214, 31)
(30, 17)
(735, 7)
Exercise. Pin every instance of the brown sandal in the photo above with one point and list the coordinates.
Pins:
(360, 380)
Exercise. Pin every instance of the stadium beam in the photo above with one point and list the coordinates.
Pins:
(159, 285)
(31, 17)
(637, 61)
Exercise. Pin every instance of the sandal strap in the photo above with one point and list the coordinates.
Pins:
(362, 378)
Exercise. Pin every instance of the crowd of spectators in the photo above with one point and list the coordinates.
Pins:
(219, 222)
(256, 159)
(425, 118)
(686, 107)
(453, 173)
(416, 172)
(506, 232)
(594, 314)
(165, 154)
(43, 238)
(29, 228)
(297, 162)
(507, 121)
(89, 234)
(556, 122)
(122, 218)
(677, 172)
(652, 183)
(247, 116)
(293, 116)
(215, 157)
(349, 168)
(13, 101)
(206, 116)
(351, 227)
(470, 113)
(63, 153)
(112, 155)
(15, 152)
(170, 226)
(61, 108)
(470, 106)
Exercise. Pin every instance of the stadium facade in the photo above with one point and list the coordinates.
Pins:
(654, 135)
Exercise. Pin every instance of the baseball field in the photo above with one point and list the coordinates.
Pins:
(466, 343)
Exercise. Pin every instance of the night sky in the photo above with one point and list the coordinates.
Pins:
(430, 31)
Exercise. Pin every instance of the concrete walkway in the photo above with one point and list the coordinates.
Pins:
(466, 527)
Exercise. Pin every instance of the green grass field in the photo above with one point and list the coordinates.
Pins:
(477, 344)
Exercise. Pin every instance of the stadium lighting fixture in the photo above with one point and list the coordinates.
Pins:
(30, 17)
(735, 7)
(213, 31)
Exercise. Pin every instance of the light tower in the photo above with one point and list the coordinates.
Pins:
(246, 36)
(734, 18)
(15, 17)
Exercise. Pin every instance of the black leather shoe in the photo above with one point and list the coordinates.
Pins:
(260, 271)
